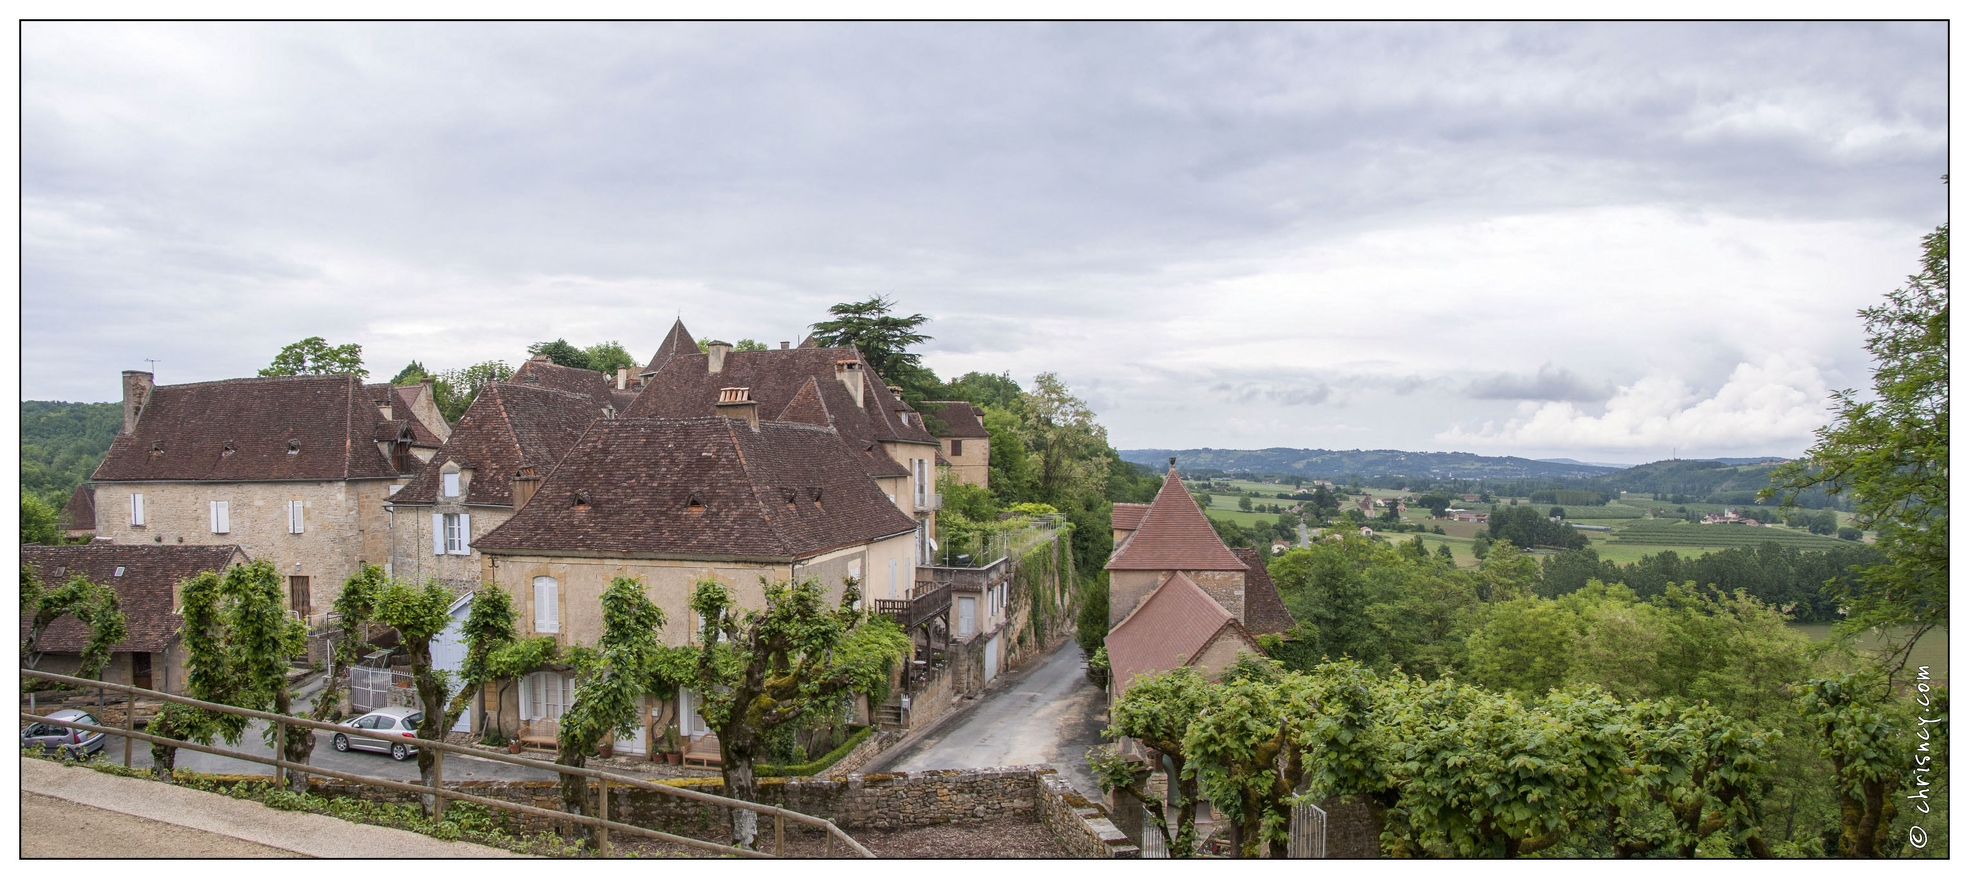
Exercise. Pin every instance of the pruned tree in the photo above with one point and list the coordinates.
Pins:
(238, 638)
(95, 606)
(1706, 770)
(419, 614)
(760, 670)
(611, 682)
(1158, 711)
(353, 610)
(1245, 752)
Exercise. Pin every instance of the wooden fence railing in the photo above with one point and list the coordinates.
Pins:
(436, 789)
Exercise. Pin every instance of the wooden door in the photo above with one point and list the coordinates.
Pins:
(297, 595)
(140, 671)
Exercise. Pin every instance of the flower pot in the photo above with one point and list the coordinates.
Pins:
(513, 747)
(674, 758)
(605, 751)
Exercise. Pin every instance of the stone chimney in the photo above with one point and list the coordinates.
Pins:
(622, 378)
(785, 345)
(849, 372)
(136, 393)
(717, 352)
(525, 483)
(738, 403)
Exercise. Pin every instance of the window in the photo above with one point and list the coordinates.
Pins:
(221, 517)
(544, 696)
(294, 523)
(400, 456)
(956, 448)
(451, 533)
(450, 485)
(137, 510)
(546, 605)
(298, 596)
(922, 484)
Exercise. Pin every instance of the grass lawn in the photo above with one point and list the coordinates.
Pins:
(1931, 652)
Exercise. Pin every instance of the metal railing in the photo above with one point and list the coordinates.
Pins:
(436, 789)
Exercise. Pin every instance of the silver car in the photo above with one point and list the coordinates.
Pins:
(393, 723)
(71, 742)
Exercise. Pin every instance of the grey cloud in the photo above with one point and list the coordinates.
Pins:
(1302, 395)
(1549, 383)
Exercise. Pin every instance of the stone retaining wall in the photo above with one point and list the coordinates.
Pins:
(1080, 827)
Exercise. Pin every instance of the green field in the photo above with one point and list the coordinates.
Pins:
(1931, 652)
(1672, 534)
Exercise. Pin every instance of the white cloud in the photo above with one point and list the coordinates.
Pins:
(1775, 402)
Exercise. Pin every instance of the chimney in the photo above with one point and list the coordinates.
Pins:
(717, 351)
(136, 393)
(896, 390)
(738, 403)
(785, 345)
(622, 378)
(525, 483)
(849, 372)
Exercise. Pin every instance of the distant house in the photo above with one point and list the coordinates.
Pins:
(966, 443)
(1179, 625)
(79, 516)
(146, 578)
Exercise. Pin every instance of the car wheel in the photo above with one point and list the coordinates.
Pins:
(341, 742)
(399, 752)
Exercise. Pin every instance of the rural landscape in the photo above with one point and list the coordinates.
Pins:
(1107, 441)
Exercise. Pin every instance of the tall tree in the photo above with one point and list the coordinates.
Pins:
(238, 639)
(313, 356)
(561, 353)
(612, 679)
(760, 670)
(93, 604)
(1890, 455)
(882, 338)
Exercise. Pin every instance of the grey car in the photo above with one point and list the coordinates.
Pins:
(71, 742)
(393, 723)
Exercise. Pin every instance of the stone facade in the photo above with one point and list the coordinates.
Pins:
(343, 524)
(1128, 589)
(970, 459)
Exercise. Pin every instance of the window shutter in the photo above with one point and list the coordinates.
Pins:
(546, 605)
(437, 534)
(136, 509)
(526, 697)
(464, 533)
(295, 525)
(220, 517)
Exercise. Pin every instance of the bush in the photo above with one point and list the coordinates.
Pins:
(768, 770)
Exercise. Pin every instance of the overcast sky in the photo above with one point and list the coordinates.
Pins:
(1605, 242)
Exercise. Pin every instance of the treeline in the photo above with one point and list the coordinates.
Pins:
(1786, 578)
(61, 444)
(1677, 482)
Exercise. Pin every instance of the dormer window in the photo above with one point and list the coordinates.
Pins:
(293, 447)
(227, 450)
(694, 505)
(581, 500)
(814, 492)
(451, 487)
(156, 449)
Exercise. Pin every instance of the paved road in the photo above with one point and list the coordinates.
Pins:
(1051, 715)
(456, 767)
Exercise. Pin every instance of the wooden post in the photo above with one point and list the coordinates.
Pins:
(279, 753)
(602, 811)
(779, 835)
(829, 851)
(437, 781)
(129, 726)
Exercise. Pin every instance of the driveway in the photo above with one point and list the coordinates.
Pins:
(1051, 714)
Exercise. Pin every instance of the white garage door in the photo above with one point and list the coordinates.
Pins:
(991, 657)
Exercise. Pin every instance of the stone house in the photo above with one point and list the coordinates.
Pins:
(966, 445)
(1179, 625)
(672, 502)
(810, 385)
(512, 436)
(295, 470)
(145, 577)
(1171, 535)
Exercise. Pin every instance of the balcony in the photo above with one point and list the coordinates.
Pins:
(926, 602)
(929, 501)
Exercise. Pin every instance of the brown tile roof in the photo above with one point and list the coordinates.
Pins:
(189, 426)
(147, 587)
(508, 426)
(1170, 629)
(961, 420)
(548, 374)
(1128, 517)
(807, 407)
(784, 492)
(1264, 610)
(80, 514)
(400, 399)
(677, 341)
(1174, 536)
(685, 388)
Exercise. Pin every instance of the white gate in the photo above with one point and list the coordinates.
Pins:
(1307, 838)
(991, 658)
(369, 688)
(1153, 845)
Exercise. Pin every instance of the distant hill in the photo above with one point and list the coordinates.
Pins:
(61, 444)
(1327, 464)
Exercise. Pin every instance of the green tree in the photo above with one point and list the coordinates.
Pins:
(607, 357)
(759, 670)
(92, 604)
(748, 345)
(560, 353)
(455, 389)
(1245, 752)
(1868, 740)
(1068, 442)
(419, 614)
(411, 373)
(883, 339)
(1890, 456)
(39, 522)
(313, 356)
(1157, 711)
(607, 703)
(238, 640)
(987, 390)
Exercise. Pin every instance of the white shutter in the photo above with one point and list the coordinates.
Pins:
(464, 533)
(546, 605)
(450, 485)
(136, 509)
(295, 525)
(437, 534)
(526, 697)
(221, 517)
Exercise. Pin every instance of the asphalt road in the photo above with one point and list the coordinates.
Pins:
(456, 767)
(1051, 715)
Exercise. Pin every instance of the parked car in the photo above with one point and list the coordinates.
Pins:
(72, 742)
(392, 723)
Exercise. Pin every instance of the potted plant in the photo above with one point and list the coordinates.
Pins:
(673, 750)
(606, 750)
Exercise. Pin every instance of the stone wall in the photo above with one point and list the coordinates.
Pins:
(879, 801)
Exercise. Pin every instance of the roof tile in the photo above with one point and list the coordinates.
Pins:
(147, 588)
(1174, 535)
(1169, 630)
(319, 427)
(1264, 610)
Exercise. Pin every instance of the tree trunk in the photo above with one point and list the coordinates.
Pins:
(298, 744)
(740, 784)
